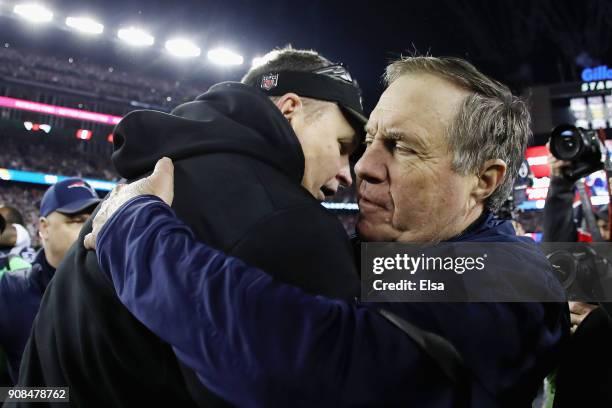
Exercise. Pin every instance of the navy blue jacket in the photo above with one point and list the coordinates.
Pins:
(20, 294)
(257, 342)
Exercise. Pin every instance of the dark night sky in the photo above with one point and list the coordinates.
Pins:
(363, 34)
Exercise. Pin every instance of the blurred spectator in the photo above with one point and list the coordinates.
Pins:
(15, 238)
(26, 199)
(64, 208)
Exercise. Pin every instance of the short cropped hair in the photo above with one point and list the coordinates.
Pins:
(290, 59)
(491, 122)
(286, 59)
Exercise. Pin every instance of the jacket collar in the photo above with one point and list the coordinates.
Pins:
(42, 271)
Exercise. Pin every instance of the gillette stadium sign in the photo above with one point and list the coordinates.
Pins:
(596, 79)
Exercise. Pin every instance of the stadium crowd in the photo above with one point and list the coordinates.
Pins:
(61, 159)
(79, 75)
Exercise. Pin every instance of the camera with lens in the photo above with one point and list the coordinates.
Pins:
(584, 274)
(581, 147)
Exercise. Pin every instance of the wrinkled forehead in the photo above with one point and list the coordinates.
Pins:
(421, 103)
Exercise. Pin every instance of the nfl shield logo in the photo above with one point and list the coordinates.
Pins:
(269, 81)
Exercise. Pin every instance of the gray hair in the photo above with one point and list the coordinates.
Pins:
(491, 123)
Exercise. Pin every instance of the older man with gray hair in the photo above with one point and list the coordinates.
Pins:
(444, 144)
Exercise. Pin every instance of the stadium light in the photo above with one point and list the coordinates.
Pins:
(85, 25)
(33, 12)
(135, 36)
(182, 48)
(222, 56)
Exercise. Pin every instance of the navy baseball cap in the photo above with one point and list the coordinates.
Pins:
(68, 196)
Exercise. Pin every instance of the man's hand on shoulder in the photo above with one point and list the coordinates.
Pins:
(160, 183)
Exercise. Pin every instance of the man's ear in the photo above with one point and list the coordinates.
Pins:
(43, 224)
(289, 104)
(492, 174)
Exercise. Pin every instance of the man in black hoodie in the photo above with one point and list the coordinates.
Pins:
(252, 160)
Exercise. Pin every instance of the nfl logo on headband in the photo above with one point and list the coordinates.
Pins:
(269, 81)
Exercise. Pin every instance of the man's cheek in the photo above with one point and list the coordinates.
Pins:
(415, 206)
(72, 232)
(380, 216)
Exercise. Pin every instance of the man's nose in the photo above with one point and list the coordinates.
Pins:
(371, 166)
(344, 175)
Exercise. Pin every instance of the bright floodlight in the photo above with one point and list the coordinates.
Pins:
(33, 12)
(85, 25)
(183, 48)
(135, 36)
(221, 56)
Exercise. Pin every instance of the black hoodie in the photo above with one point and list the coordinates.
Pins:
(238, 168)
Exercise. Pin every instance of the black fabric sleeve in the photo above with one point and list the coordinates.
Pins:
(320, 260)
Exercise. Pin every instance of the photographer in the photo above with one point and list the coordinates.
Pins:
(584, 374)
(559, 223)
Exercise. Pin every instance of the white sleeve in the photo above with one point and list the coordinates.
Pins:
(22, 241)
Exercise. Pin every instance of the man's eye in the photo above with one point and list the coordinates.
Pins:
(404, 149)
(390, 144)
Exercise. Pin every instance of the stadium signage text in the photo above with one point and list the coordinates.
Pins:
(600, 73)
(596, 79)
(596, 86)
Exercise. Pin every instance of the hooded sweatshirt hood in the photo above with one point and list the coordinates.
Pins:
(230, 118)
